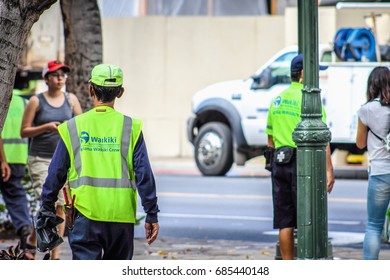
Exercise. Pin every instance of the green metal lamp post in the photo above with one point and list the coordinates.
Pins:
(311, 136)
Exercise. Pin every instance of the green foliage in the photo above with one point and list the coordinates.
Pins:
(30, 192)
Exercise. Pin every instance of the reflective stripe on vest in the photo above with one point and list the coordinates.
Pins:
(101, 182)
(15, 141)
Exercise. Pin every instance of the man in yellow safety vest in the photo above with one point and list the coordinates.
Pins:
(13, 157)
(103, 155)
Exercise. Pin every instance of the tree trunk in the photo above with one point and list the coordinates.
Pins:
(83, 45)
(16, 20)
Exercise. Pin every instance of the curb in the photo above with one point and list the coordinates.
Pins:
(253, 168)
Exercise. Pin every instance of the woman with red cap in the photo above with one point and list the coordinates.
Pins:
(44, 112)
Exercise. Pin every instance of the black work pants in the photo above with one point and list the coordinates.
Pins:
(95, 240)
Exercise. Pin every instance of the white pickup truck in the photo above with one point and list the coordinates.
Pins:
(229, 118)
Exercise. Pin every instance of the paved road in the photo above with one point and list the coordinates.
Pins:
(171, 248)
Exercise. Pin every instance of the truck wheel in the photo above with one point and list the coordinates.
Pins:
(214, 149)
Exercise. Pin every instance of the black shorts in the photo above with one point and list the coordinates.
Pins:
(284, 193)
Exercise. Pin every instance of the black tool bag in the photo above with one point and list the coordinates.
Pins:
(284, 155)
(269, 158)
(45, 225)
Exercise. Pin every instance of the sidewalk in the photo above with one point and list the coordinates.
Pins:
(191, 249)
(254, 167)
(187, 166)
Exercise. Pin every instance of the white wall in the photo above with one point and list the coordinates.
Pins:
(46, 39)
(330, 20)
(167, 59)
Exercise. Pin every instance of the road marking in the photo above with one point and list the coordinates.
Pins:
(353, 200)
(337, 238)
(247, 196)
(345, 223)
(213, 195)
(214, 217)
(241, 218)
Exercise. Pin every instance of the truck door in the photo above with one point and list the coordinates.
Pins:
(261, 89)
(359, 96)
(345, 93)
(338, 104)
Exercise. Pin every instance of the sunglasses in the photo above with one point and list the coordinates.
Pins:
(57, 75)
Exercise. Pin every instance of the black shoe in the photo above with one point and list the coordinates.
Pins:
(23, 233)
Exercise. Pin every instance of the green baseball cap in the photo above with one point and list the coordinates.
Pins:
(107, 75)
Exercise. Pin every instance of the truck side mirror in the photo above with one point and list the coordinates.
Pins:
(263, 80)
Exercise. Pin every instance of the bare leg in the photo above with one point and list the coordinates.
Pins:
(55, 254)
(286, 243)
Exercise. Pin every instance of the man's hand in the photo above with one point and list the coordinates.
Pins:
(151, 231)
(329, 170)
(5, 171)
(330, 180)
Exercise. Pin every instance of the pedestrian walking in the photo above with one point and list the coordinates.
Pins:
(103, 154)
(44, 112)
(373, 129)
(13, 156)
(283, 116)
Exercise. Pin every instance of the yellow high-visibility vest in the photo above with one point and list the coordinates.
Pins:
(100, 144)
(15, 147)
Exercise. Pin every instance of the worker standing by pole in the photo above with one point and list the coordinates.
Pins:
(104, 156)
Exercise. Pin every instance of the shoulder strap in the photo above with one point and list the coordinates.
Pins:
(69, 102)
(41, 101)
(375, 134)
(381, 139)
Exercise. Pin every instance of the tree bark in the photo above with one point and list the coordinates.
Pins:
(83, 45)
(16, 20)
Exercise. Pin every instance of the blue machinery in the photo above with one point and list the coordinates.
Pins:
(355, 44)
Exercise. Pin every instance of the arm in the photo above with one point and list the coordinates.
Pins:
(361, 135)
(329, 170)
(147, 189)
(57, 174)
(75, 104)
(46, 220)
(5, 169)
(329, 165)
(27, 129)
(271, 141)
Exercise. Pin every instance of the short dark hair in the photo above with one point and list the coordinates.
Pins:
(378, 85)
(295, 76)
(106, 94)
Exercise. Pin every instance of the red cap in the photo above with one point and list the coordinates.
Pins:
(53, 66)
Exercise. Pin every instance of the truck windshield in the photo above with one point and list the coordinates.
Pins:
(278, 72)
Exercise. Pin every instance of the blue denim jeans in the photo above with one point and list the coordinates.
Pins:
(15, 197)
(378, 197)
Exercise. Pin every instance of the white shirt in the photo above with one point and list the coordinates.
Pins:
(377, 118)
